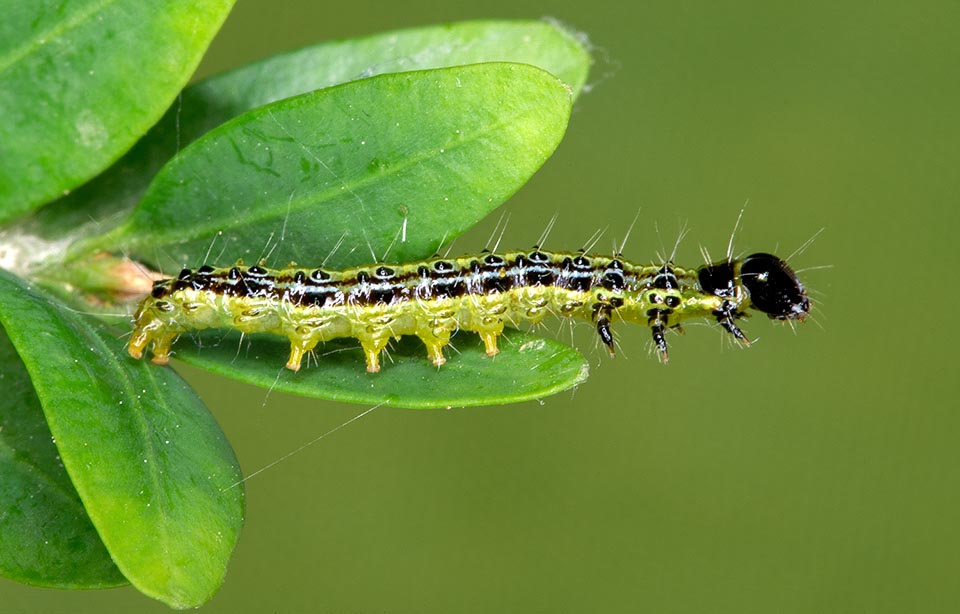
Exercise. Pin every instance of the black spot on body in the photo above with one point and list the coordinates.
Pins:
(448, 287)
(613, 280)
(539, 275)
(384, 293)
(494, 282)
(442, 266)
(666, 279)
(493, 261)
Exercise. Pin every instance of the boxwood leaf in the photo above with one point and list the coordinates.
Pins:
(82, 81)
(209, 103)
(149, 462)
(528, 367)
(397, 159)
(46, 537)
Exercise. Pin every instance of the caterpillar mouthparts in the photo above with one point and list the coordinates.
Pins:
(434, 298)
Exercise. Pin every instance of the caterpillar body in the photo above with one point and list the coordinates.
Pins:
(434, 298)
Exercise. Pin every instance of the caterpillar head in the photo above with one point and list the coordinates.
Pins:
(773, 287)
(760, 281)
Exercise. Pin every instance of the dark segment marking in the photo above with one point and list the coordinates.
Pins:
(384, 293)
(442, 266)
(448, 287)
(717, 279)
(540, 275)
(576, 274)
(494, 282)
(666, 279)
(613, 280)
(582, 262)
(539, 257)
(495, 262)
(384, 272)
(319, 276)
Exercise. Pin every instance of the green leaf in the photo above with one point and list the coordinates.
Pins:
(398, 159)
(46, 537)
(207, 104)
(82, 81)
(150, 464)
(528, 367)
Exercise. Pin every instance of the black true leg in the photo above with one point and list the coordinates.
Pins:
(657, 329)
(603, 328)
(726, 317)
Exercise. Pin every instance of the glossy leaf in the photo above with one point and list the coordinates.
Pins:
(82, 81)
(209, 103)
(150, 464)
(528, 367)
(46, 537)
(398, 159)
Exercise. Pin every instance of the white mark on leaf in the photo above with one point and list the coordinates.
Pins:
(91, 133)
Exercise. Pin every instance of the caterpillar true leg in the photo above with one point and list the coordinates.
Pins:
(603, 328)
(658, 325)
(726, 317)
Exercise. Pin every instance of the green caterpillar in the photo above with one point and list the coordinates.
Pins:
(482, 293)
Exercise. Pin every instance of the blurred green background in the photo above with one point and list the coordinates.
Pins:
(814, 472)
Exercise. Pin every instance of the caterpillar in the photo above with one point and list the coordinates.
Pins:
(482, 293)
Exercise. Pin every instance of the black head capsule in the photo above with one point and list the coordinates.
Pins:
(773, 287)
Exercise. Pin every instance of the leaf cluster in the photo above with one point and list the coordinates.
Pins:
(113, 470)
